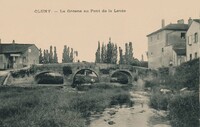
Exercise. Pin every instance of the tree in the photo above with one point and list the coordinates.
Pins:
(64, 56)
(67, 55)
(41, 59)
(110, 52)
(103, 54)
(121, 60)
(76, 55)
(72, 55)
(98, 54)
(47, 56)
(55, 57)
(115, 54)
(130, 51)
(126, 57)
(51, 55)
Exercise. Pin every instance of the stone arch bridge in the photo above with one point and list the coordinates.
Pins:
(104, 72)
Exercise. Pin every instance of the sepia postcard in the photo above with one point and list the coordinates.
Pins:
(92, 63)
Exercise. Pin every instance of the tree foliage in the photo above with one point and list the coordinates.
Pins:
(55, 57)
(108, 53)
(68, 55)
(98, 54)
(48, 57)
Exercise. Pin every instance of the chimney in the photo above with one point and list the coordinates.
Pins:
(189, 21)
(163, 23)
(13, 44)
(180, 21)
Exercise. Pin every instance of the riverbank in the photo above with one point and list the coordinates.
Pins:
(140, 114)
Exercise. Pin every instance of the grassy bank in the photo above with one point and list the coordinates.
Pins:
(55, 106)
(183, 105)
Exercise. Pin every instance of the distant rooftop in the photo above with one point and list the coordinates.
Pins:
(13, 47)
(178, 27)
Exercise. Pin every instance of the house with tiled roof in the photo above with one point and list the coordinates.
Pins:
(193, 40)
(14, 55)
(167, 45)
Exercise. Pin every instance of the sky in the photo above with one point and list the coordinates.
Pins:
(21, 21)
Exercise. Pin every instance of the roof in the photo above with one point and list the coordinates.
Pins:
(180, 51)
(178, 27)
(14, 48)
(196, 20)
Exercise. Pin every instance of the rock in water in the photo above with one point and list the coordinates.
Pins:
(111, 122)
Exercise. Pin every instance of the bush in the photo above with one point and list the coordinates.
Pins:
(49, 79)
(37, 107)
(184, 110)
(105, 71)
(151, 84)
(159, 101)
(33, 69)
(67, 70)
(20, 73)
(121, 99)
(120, 77)
(81, 79)
(55, 107)
(96, 100)
(186, 75)
(144, 64)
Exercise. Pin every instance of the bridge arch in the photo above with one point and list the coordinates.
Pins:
(123, 72)
(54, 78)
(79, 71)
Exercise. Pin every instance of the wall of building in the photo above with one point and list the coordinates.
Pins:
(3, 62)
(175, 38)
(167, 56)
(180, 60)
(160, 48)
(191, 46)
(31, 56)
(155, 44)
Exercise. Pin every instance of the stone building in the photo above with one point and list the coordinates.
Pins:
(193, 39)
(13, 55)
(167, 46)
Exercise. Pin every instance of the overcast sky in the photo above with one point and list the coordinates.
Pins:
(81, 31)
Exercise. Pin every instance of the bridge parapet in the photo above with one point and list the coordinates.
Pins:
(103, 71)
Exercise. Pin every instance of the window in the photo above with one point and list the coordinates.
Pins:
(195, 37)
(162, 49)
(189, 40)
(190, 56)
(182, 35)
(29, 50)
(195, 55)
